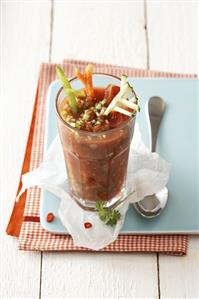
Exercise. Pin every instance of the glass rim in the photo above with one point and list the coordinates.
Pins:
(88, 133)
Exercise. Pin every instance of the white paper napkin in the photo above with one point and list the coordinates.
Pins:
(147, 174)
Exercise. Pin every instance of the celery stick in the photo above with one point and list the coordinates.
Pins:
(72, 103)
(77, 93)
(67, 86)
(64, 80)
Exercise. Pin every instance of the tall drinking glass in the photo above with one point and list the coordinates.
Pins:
(96, 163)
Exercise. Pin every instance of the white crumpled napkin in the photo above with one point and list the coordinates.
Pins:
(147, 174)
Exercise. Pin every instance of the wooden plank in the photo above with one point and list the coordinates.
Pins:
(179, 276)
(99, 31)
(172, 30)
(25, 35)
(94, 275)
(111, 33)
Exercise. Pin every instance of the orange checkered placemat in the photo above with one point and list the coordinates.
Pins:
(25, 221)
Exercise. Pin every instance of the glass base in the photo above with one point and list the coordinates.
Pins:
(91, 205)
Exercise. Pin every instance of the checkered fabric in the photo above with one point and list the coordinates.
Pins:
(32, 235)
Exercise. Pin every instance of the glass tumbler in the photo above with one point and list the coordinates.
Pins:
(96, 163)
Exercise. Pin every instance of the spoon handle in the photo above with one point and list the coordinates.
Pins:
(156, 108)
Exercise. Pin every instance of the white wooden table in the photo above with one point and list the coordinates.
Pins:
(157, 35)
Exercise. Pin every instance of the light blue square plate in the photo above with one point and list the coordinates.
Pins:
(177, 143)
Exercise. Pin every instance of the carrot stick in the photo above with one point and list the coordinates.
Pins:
(86, 79)
(80, 76)
(89, 81)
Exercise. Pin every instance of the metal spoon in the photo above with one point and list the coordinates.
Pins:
(151, 206)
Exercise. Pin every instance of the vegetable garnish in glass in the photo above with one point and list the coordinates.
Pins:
(96, 117)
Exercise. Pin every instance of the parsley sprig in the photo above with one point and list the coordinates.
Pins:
(107, 215)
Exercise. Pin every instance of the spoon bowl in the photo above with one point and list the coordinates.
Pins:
(151, 206)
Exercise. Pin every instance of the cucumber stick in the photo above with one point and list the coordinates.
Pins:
(125, 90)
